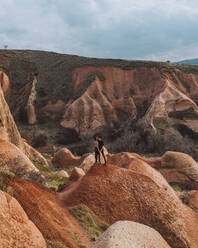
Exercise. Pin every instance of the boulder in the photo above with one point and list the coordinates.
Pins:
(54, 221)
(88, 162)
(182, 162)
(62, 173)
(16, 229)
(76, 174)
(128, 234)
(17, 162)
(65, 158)
(131, 161)
(115, 194)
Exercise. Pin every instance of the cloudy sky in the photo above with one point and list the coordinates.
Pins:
(140, 29)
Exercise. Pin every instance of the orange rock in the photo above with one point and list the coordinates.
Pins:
(193, 199)
(10, 133)
(115, 193)
(16, 230)
(65, 158)
(76, 174)
(182, 162)
(62, 173)
(4, 82)
(17, 162)
(54, 221)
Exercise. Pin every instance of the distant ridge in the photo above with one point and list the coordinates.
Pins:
(189, 61)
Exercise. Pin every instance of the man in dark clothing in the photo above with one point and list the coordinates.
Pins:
(101, 147)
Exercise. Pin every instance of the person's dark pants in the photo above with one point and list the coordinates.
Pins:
(97, 156)
(103, 156)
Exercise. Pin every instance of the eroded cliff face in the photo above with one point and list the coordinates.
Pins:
(147, 93)
(115, 96)
(9, 131)
(87, 94)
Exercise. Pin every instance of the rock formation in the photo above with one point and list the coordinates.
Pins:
(76, 174)
(13, 159)
(193, 199)
(182, 165)
(10, 133)
(93, 93)
(119, 194)
(55, 222)
(65, 158)
(129, 234)
(170, 100)
(16, 230)
(31, 113)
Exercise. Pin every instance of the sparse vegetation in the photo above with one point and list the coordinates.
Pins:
(187, 113)
(89, 221)
(76, 238)
(160, 123)
(51, 244)
(135, 137)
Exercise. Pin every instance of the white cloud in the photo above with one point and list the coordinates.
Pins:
(155, 29)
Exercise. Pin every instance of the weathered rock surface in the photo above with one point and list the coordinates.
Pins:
(54, 221)
(181, 162)
(10, 133)
(62, 173)
(193, 199)
(88, 162)
(76, 174)
(121, 194)
(4, 82)
(169, 100)
(134, 163)
(65, 158)
(106, 100)
(16, 230)
(129, 234)
(92, 93)
(13, 159)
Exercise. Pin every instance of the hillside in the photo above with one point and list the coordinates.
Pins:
(70, 201)
(69, 97)
(189, 61)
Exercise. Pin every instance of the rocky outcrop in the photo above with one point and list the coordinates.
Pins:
(88, 162)
(135, 163)
(193, 199)
(10, 133)
(62, 173)
(54, 221)
(16, 229)
(13, 159)
(65, 158)
(122, 194)
(93, 93)
(76, 174)
(170, 101)
(129, 234)
(107, 99)
(4, 82)
(31, 113)
(181, 162)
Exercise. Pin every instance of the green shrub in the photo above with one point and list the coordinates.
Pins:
(89, 221)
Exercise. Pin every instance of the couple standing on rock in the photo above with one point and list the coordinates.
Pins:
(99, 148)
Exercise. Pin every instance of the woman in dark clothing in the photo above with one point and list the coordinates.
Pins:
(96, 149)
(101, 148)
